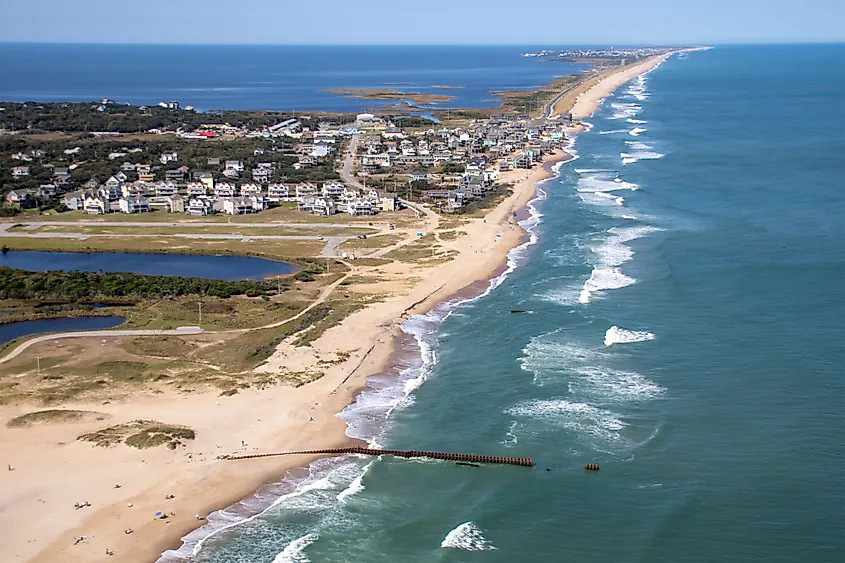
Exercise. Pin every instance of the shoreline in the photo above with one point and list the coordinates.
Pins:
(276, 419)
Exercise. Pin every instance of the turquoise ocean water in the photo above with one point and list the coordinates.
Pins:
(685, 286)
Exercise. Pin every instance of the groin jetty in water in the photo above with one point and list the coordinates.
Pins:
(523, 461)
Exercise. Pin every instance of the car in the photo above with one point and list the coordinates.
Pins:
(362, 236)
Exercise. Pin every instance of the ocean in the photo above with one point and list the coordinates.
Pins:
(684, 288)
(270, 77)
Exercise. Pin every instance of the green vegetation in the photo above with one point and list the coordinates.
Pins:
(413, 121)
(55, 416)
(123, 118)
(22, 284)
(140, 434)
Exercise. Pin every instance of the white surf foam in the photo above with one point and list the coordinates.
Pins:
(612, 131)
(586, 420)
(635, 132)
(636, 121)
(600, 183)
(294, 552)
(510, 437)
(602, 279)
(624, 110)
(468, 537)
(611, 386)
(357, 485)
(616, 335)
(632, 157)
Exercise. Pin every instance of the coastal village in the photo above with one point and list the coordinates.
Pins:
(445, 167)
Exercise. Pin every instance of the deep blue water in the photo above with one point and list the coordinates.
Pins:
(187, 265)
(270, 77)
(10, 331)
(686, 298)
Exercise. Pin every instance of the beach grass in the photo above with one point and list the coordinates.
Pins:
(141, 434)
(54, 416)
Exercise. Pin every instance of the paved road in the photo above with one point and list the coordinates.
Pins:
(547, 112)
(346, 171)
(181, 331)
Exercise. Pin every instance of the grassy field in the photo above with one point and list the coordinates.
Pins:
(381, 241)
(193, 229)
(284, 213)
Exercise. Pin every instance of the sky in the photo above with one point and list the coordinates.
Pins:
(451, 22)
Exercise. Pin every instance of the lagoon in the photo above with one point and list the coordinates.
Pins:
(10, 331)
(229, 267)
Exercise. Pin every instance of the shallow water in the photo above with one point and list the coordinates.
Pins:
(150, 264)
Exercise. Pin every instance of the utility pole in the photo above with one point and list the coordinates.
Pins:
(38, 358)
(200, 311)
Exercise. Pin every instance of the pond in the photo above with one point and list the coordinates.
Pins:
(10, 331)
(229, 267)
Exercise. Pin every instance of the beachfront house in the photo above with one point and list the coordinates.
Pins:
(360, 207)
(95, 204)
(20, 198)
(224, 189)
(317, 205)
(74, 201)
(239, 206)
(333, 189)
(174, 204)
(278, 192)
(250, 189)
(198, 207)
(195, 189)
(136, 204)
(306, 189)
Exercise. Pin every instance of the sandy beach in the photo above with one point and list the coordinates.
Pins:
(583, 100)
(49, 470)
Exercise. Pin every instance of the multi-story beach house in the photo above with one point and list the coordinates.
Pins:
(135, 204)
(306, 189)
(198, 207)
(278, 192)
(224, 189)
(333, 189)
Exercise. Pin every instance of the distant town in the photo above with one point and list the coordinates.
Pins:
(605, 53)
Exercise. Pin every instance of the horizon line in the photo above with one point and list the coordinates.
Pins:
(543, 45)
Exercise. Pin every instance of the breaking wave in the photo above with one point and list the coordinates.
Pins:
(616, 335)
(468, 537)
(295, 550)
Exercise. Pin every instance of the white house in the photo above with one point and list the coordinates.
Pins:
(333, 189)
(168, 157)
(317, 205)
(278, 192)
(165, 189)
(20, 171)
(95, 204)
(74, 200)
(224, 189)
(136, 204)
(198, 207)
(237, 206)
(306, 189)
(359, 207)
(250, 189)
(196, 189)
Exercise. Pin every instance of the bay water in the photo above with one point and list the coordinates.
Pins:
(684, 289)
